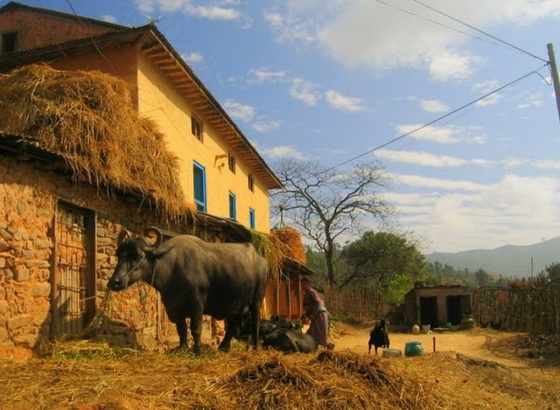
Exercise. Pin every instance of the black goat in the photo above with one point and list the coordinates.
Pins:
(379, 336)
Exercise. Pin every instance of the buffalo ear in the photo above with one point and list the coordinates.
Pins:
(153, 238)
(124, 235)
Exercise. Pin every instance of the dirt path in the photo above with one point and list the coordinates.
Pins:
(473, 343)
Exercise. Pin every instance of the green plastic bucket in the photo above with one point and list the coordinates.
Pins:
(413, 349)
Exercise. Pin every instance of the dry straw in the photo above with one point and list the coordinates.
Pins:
(88, 118)
(94, 376)
(288, 240)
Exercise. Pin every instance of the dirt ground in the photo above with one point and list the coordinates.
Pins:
(477, 343)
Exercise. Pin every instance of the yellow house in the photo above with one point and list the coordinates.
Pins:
(221, 173)
(57, 235)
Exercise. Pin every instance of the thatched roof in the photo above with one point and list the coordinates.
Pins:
(88, 119)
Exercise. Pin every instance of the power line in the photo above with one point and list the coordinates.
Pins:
(480, 31)
(91, 38)
(436, 22)
(471, 103)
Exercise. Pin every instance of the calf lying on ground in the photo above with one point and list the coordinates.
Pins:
(379, 336)
(290, 341)
(267, 327)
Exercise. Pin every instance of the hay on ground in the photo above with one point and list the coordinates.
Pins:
(94, 376)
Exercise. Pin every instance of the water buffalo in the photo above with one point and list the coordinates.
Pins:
(194, 277)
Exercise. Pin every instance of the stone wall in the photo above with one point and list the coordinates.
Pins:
(28, 200)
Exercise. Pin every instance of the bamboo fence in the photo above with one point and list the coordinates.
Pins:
(353, 302)
(529, 305)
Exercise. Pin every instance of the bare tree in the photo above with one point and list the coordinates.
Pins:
(326, 204)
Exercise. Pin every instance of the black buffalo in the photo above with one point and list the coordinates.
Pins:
(290, 341)
(194, 277)
(379, 336)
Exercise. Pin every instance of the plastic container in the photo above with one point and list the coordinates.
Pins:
(413, 349)
(392, 353)
(415, 330)
(426, 329)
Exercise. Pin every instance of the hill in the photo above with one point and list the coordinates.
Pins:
(509, 260)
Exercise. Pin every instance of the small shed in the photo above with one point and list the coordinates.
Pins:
(437, 305)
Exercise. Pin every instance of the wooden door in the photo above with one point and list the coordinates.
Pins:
(73, 279)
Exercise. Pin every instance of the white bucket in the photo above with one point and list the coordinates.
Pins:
(392, 353)
(425, 329)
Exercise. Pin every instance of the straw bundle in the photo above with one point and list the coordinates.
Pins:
(290, 244)
(88, 118)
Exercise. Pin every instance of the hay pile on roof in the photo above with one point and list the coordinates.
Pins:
(88, 118)
(288, 240)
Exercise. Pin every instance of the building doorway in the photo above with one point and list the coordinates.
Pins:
(73, 279)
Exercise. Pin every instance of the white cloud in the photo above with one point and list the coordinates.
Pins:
(434, 106)
(265, 126)
(282, 151)
(263, 75)
(340, 102)
(512, 162)
(514, 210)
(193, 58)
(446, 66)
(220, 10)
(109, 18)
(239, 111)
(427, 159)
(442, 135)
(371, 34)
(435, 183)
(145, 6)
(548, 164)
(529, 101)
(304, 91)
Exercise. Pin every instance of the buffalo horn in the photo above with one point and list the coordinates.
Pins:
(152, 232)
(123, 236)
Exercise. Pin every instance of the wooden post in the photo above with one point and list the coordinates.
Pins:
(554, 72)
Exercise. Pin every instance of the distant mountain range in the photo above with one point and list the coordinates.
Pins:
(508, 261)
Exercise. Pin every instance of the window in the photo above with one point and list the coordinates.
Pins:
(199, 182)
(196, 128)
(232, 206)
(251, 183)
(252, 223)
(231, 162)
(8, 42)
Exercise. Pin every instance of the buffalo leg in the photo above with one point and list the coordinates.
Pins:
(231, 325)
(196, 330)
(255, 314)
(182, 332)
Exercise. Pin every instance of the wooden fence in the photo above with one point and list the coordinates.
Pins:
(353, 302)
(531, 305)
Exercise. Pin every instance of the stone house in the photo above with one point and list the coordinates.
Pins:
(436, 305)
(59, 218)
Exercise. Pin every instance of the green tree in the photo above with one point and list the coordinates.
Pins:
(383, 260)
(553, 271)
(482, 278)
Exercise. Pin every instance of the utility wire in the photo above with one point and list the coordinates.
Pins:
(480, 31)
(91, 38)
(497, 90)
(437, 23)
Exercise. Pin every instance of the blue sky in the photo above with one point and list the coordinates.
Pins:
(330, 80)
